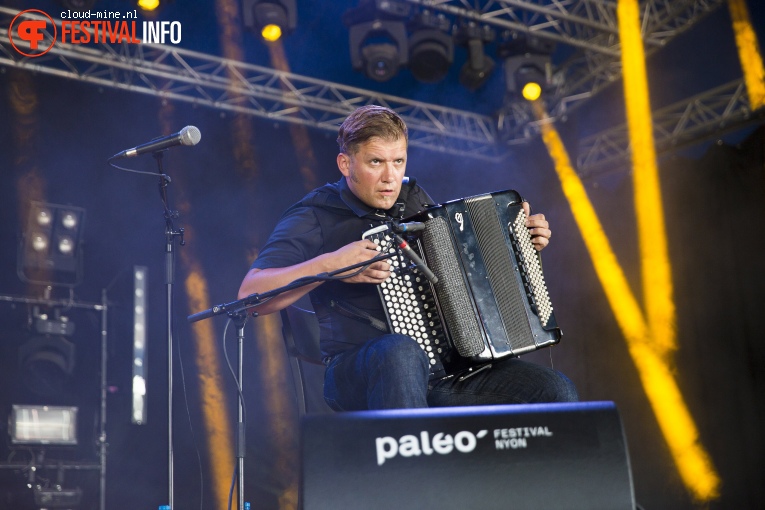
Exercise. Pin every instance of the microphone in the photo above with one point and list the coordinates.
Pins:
(190, 135)
(416, 260)
(412, 226)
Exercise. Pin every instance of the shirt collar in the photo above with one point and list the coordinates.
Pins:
(353, 202)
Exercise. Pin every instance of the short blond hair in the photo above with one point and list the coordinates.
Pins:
(368, 122)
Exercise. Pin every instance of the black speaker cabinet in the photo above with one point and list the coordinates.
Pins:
(536, 457)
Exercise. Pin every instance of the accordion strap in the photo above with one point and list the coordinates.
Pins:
(350, 311)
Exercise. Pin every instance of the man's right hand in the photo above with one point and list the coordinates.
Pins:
(361, 251)
(264, 280)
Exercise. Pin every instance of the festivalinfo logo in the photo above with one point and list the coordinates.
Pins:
(34, 33)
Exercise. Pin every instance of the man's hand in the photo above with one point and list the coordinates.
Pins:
(263, 280)
(361, 251)
(538, 227)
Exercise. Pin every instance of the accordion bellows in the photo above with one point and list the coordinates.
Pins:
(491, 299)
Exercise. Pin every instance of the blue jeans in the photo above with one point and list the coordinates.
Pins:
(391, 372)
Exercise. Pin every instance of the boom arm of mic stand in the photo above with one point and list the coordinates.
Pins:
(255, 299)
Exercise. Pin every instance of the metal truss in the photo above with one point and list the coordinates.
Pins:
(228, 85)
(591, 26)
(586, 24)
(705, 115)
(586, 73)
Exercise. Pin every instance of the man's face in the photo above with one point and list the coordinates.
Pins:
(375, 172)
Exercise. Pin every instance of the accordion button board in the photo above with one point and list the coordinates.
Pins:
(491, 299)
(409, 303)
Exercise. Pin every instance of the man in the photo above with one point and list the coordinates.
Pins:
(367, 368)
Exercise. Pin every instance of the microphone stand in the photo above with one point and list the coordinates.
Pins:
(237, 312)
(256, 299)
(171, 233)
(240, 319)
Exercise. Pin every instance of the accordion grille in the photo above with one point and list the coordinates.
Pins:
(453, 295)
(499, 267)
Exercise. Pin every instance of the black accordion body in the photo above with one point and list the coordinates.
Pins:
(490, 301)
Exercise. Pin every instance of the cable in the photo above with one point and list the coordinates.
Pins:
(133, 170)
(238, 385)
(191, 426)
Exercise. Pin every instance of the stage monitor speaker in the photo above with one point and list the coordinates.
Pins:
(536, 457)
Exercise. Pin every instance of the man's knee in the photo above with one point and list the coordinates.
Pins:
(398, 352)
(563, 389)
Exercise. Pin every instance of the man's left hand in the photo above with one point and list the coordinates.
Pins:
(538, 228)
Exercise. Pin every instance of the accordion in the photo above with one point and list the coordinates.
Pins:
(490, 300)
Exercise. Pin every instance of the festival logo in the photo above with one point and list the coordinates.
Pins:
(33, 33)
(29, 28)
(464, 441)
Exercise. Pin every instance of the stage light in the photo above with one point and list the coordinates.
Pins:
(478, 68)
(148, 5)
(69, 220)
(379, 48)
(43, 425)
(271, 32)
(531, 81)
(528, 71)
(43, 216)
(527, 76)
(531, 91)
(431, 53)
(140, 368)
(431, 47)
(270, 18)
(47, 356)
(378, 37)
(39, 242)
(65, 245)
(50, 252)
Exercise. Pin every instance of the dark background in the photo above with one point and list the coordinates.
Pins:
(714, 196)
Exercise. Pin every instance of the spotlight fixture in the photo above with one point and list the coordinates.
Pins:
(479, 66)
(531, 81)
(271, 18)
(527, 67)
(379, 48)
(43, 425)
(47, 356)
(431, 48)
(50, 252)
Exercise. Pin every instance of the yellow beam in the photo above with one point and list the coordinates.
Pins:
(749, 53)
(299, 133)
(654, 255)
(273, 367)
(215, 412)
(242, 133)
(664, 396)
(623, 303)
(31, 184)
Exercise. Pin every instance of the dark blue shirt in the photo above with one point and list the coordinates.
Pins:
(323, 221)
